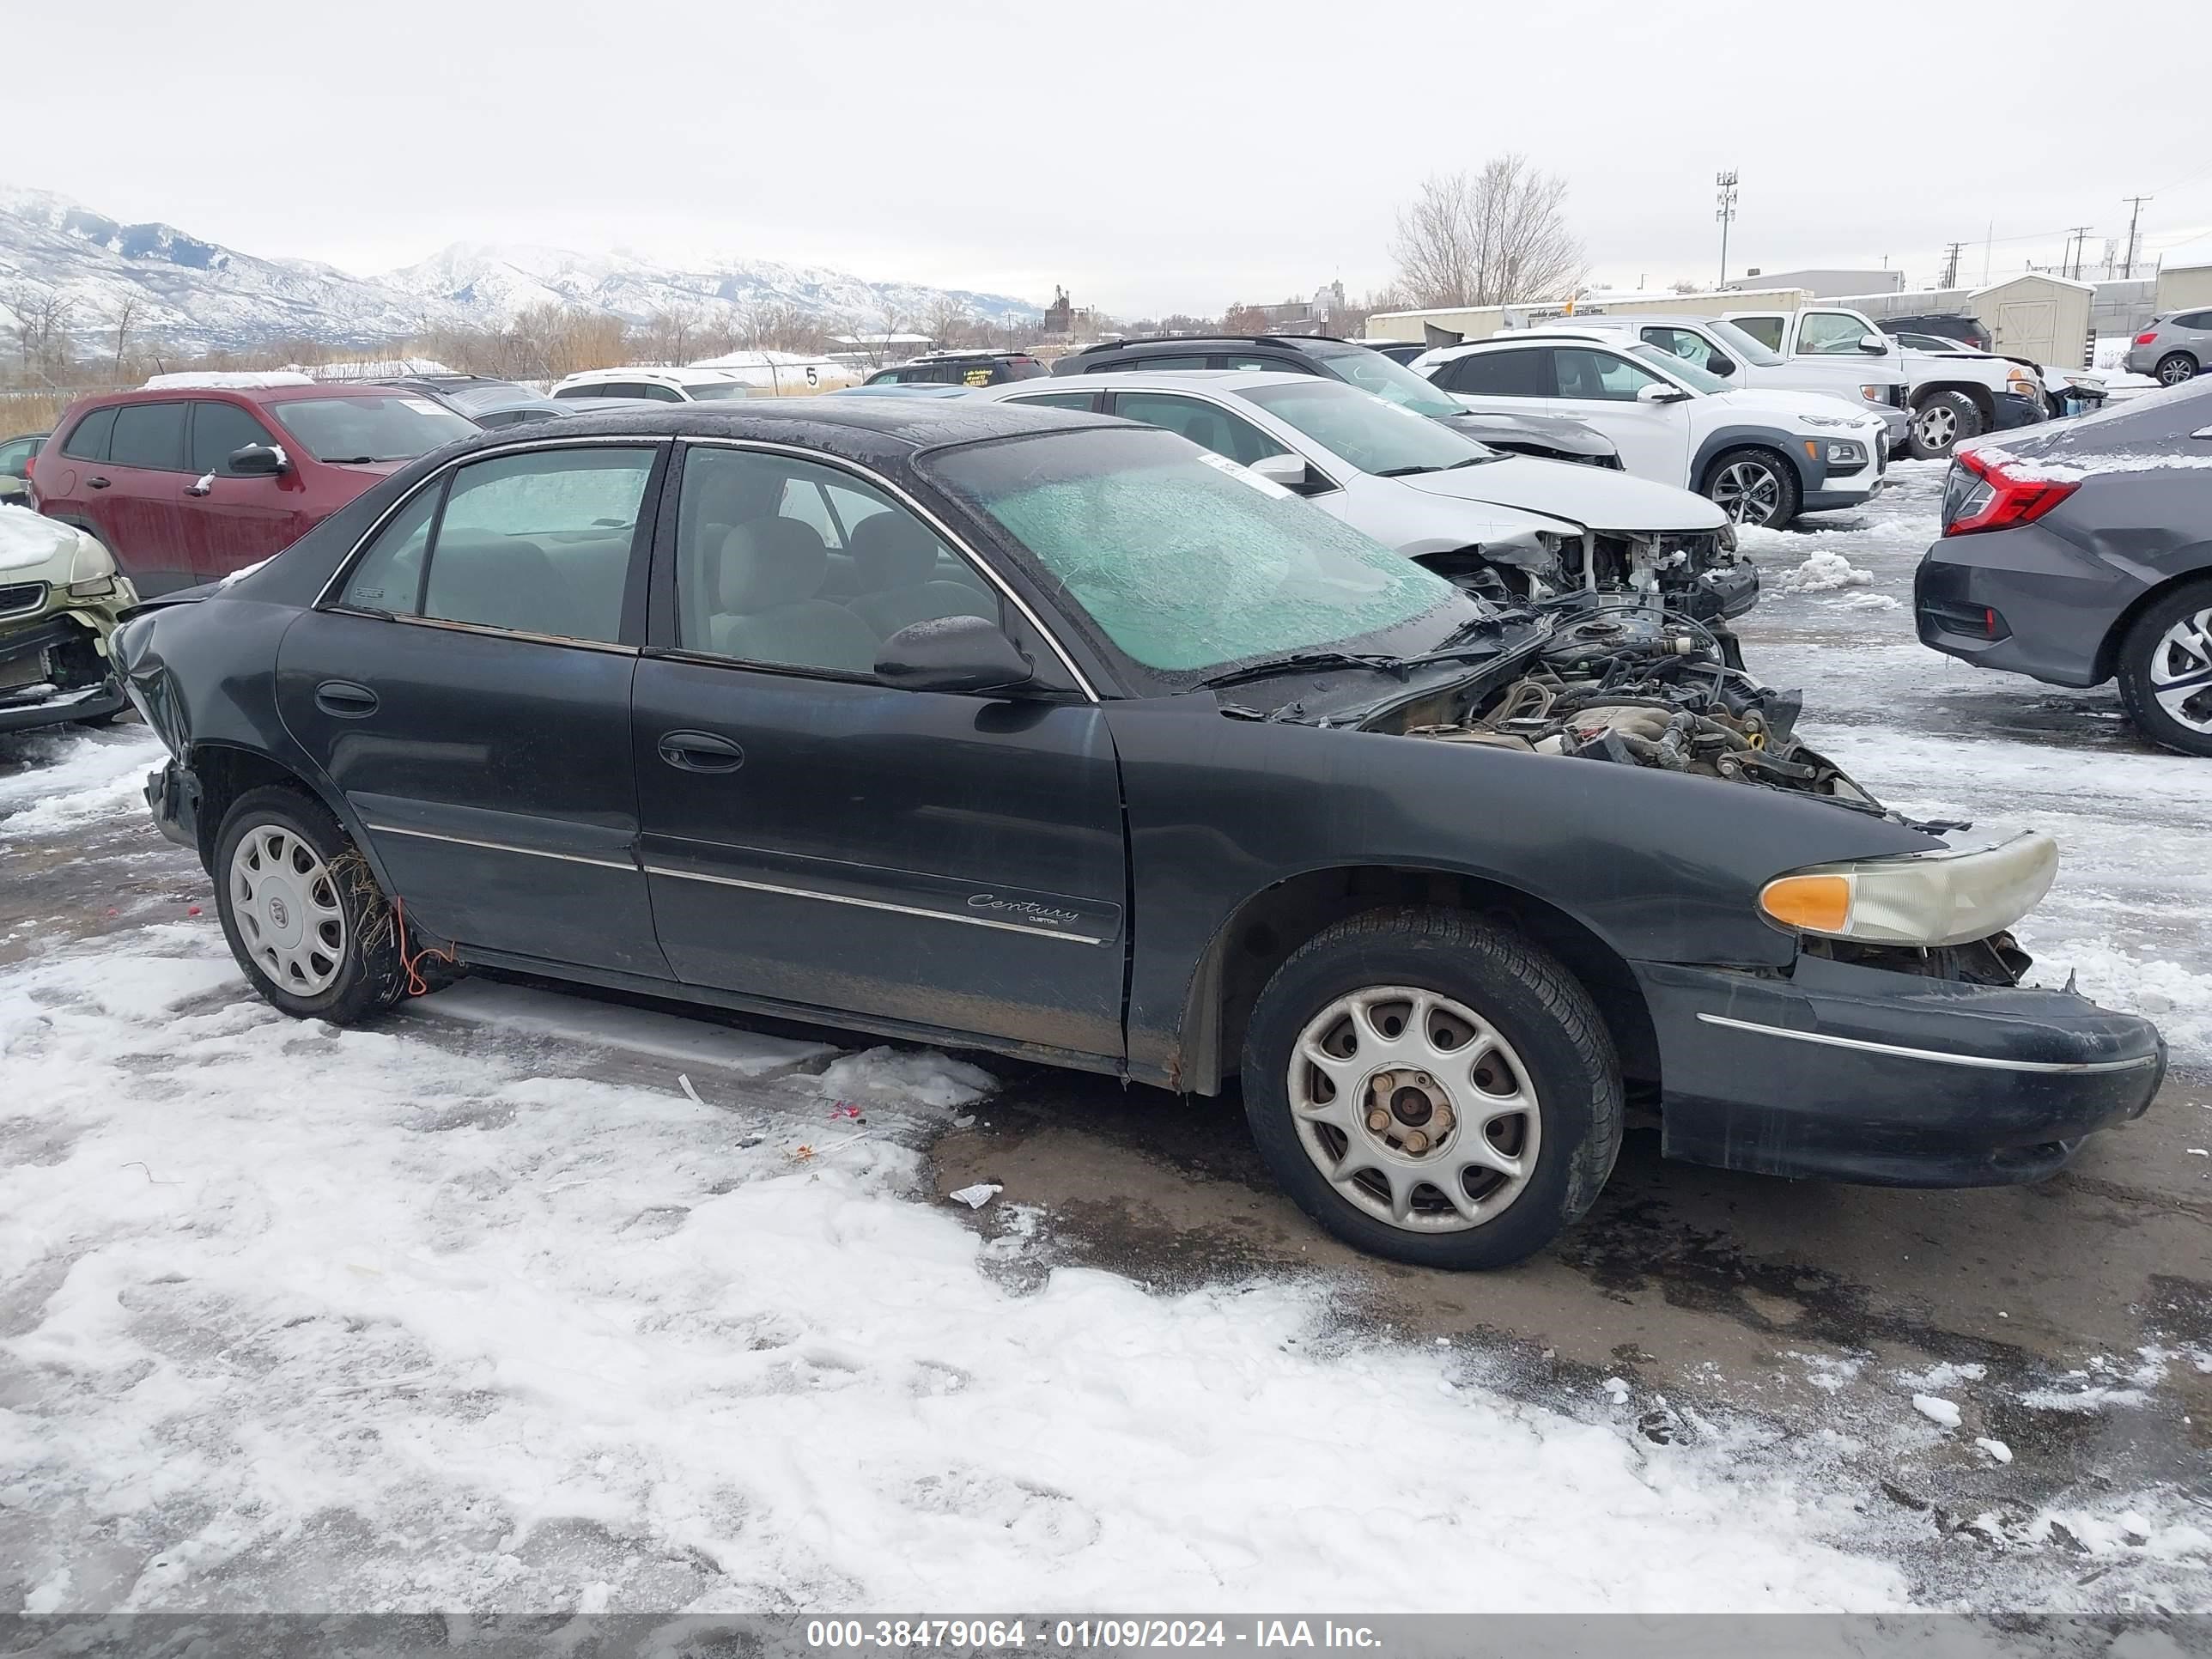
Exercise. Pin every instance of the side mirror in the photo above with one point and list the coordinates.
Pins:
(1719, 364)
(1288, 470)
(258, 461)
(1877, 344)
(1661, 392)
(952, 653)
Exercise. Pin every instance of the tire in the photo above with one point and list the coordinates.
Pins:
(1940, 422)
(1730, 485)
(1536, 1037)
(2175, 368)
(319, 942)
(2172, 638)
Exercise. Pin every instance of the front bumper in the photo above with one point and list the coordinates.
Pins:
(2014, 410)
(1844, 1073)
(173, 795)
(2023, 600)
(52, 671)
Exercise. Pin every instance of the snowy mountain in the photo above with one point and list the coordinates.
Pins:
(194, 295)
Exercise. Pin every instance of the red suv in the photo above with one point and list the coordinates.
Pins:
(196, 476)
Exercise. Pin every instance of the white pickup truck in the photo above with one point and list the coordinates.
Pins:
(1951, 395)
(1721, 348)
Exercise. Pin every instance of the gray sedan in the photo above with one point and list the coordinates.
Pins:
(2082, 551)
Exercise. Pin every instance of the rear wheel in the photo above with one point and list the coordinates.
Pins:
(1942, 422)
(302, 912)
(1753, 486)
(1432, 1089)
(2175, 368)
(2166, 671)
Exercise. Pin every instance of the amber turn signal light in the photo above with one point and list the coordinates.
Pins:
(1817, 905)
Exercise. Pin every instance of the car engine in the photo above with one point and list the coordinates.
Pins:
(1641, 685)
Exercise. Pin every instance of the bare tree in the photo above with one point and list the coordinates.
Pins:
(42, 331)
(126, 313)
(1487, 238)
(948, 322)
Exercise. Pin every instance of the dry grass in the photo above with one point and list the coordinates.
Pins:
(29, 411)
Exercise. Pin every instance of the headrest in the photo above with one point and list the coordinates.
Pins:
(890, 549)
(771, 561)
(729, 489)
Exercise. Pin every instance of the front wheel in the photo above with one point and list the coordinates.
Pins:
(1432, 1089)
(1753, 487)
(302, 912)
(2166, 671)
(1941, 423)
(2175, 368)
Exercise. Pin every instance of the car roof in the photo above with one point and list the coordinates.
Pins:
(253, 394)
(1161, 379)
(650, 372)
(1184, 342)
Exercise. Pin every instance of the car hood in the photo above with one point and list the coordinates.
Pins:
(1772, 401)
(1590, 497)
(34, 548)
(1558, 432)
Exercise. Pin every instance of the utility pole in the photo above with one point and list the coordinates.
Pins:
(1726, 214)
(1951, 265)
(2134, 208)
(2072, 264)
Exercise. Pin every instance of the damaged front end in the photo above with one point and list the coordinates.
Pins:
(1696, 573)
(60, 598)
(1638, 684)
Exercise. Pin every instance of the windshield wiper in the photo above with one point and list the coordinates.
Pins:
(1403, 472)
(1260, 671)
(345, 460)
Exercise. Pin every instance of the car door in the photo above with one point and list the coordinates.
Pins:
(815, 838)
(232, 521)
(1597, 385)
(135, 498)
(467, 690)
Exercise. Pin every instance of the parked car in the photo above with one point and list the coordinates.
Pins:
(960, 368)
(1727, 353)
(1553, 437)
(1763, 457)
(60, 595)
(490, 403)
(2174, 348)
(1954, 396)
(901, 389)
(2065, 390)
(196, 476)
(1203, 786)
(654, 385)
(2084, 553)
(1511, 526)
(16, 455)
(1957, 325)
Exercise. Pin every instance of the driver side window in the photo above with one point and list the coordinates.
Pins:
(1598, 376)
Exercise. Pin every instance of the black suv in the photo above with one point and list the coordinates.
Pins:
(1945, 324)
(1547, 437)
(490, 403)
(961, 368)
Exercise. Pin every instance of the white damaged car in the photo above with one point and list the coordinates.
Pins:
(60, 596)
(1514, 525)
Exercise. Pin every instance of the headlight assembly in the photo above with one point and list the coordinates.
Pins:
(1925, 899)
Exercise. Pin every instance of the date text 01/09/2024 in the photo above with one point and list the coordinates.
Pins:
(1076, 1635)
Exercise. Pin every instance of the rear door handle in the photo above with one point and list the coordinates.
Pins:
(344, 699)
(701, 751)
(95, 483)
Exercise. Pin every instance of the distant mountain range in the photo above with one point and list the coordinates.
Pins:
(196, 295)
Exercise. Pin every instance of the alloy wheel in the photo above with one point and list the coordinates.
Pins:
(1937, 427)
(1748, 492)
(1415, 1109)
(2176, 369)
(2181, 670)
(286, 905)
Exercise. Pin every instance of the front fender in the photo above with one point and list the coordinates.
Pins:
(1721, 440)
(1659, 867)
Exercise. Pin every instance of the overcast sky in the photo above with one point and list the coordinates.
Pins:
(1150, 156)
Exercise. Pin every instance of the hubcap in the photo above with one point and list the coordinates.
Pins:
(1748, 492)
(287, 910)
(1937, 426)
(2181, 670)
(2174, 370)
(1415, 1109)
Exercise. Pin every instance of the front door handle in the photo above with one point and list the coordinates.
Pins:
(95, 483)
(344, 699)
(701, 751)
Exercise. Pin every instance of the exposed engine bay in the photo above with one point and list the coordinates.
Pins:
(1637, 684)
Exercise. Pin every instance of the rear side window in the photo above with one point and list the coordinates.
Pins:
(1164, 365)
(219, 428)
(150, 435)
(1526, 374)
(87, 439)
(390, 574)
(539, 542)
(2194, 320)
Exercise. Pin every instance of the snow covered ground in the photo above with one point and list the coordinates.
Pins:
(528, 1303)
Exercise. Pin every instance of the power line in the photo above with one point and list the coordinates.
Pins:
(1726, 215)
(2081, 234)
(1951, 250)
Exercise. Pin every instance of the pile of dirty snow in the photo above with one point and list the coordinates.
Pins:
(1824, 573)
